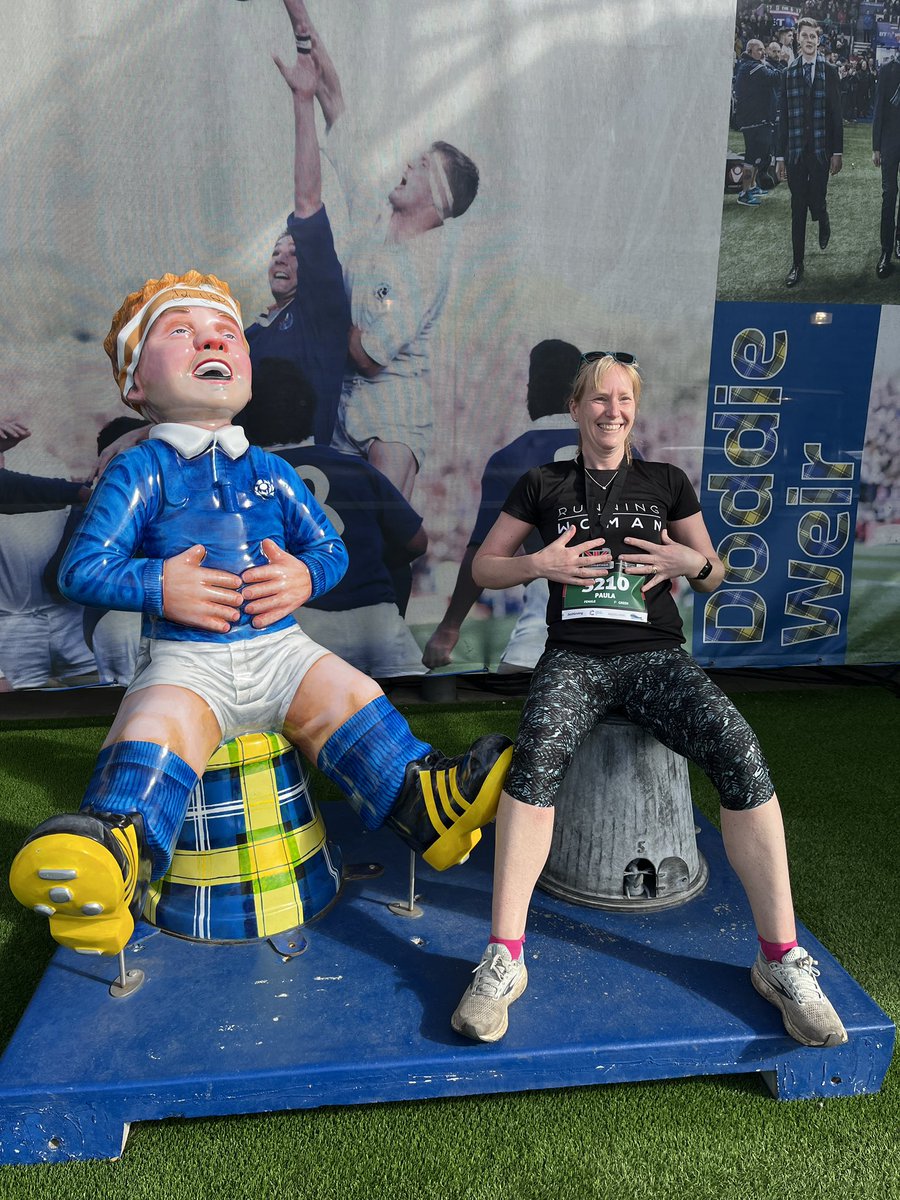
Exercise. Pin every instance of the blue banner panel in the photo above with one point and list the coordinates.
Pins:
(786, 419)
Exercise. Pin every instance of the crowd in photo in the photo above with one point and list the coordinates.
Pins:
(839, 23)
(791, 98)
(839, 44)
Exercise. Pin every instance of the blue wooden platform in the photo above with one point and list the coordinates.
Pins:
(363, 1016)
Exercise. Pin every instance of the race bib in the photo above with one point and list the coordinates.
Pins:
(615, 597)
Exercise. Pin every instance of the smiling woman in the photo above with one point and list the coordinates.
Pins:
(619, 647)
(605, 412)
(599, 510)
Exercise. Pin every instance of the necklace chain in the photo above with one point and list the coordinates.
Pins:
(602, 486)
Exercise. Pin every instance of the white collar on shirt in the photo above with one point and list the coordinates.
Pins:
(190, 441)
(271, 315)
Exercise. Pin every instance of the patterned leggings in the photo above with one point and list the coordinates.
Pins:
(663, 691)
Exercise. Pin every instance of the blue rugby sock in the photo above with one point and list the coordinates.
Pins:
(145, 778)
(367, 758)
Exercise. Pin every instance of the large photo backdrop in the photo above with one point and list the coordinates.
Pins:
(144, 137)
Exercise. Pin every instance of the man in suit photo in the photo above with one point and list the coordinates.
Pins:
(810, 140)
(886, 154)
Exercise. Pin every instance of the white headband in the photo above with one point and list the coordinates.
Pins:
(441, 192)
(132, 336)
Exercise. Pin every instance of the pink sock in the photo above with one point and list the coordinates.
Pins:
(514, 947)
(775, 951)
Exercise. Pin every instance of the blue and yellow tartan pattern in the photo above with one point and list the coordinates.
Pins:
(252, 858)
(748, 358)
(797, 92)
(752, 628)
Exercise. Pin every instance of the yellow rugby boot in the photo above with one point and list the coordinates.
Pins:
(88, 872)
(444, 802)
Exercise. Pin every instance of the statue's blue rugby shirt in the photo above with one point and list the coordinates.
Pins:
(152, 503)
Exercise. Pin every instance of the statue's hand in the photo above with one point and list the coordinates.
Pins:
(197, 596)
(276, 588)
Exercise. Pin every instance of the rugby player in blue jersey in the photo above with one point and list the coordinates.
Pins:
(308, 321)
(397, 264)
(359, 618)
(552, 366)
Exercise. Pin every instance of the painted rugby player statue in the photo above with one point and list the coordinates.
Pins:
(217, 542)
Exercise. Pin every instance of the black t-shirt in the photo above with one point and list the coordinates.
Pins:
(557, 495)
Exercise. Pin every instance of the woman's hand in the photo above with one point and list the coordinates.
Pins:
(579, 564)
(660, 562)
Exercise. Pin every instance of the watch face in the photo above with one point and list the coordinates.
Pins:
(704, 570)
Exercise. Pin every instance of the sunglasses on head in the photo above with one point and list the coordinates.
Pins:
(621, 356)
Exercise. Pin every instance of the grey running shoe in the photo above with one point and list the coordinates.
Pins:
(792, 985)
(499, 980)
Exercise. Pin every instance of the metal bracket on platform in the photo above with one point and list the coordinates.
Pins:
(128, 981)
(290, 944)
(408, 907)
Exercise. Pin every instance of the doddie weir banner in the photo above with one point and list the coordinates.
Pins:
(786, 422)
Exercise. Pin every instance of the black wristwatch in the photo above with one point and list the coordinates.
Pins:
(703, 572)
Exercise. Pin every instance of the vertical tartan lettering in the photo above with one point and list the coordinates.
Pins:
(817, 467)
(783, 453)
(754, 397)
(819, 496)
(746, 557)
(821, 621)
(745, 500)
(751, 358)
(734, 615)
(751, 439)
(819, 538)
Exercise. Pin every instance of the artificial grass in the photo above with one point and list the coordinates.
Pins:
(755, 251)
(872, 620)
(833, 756)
